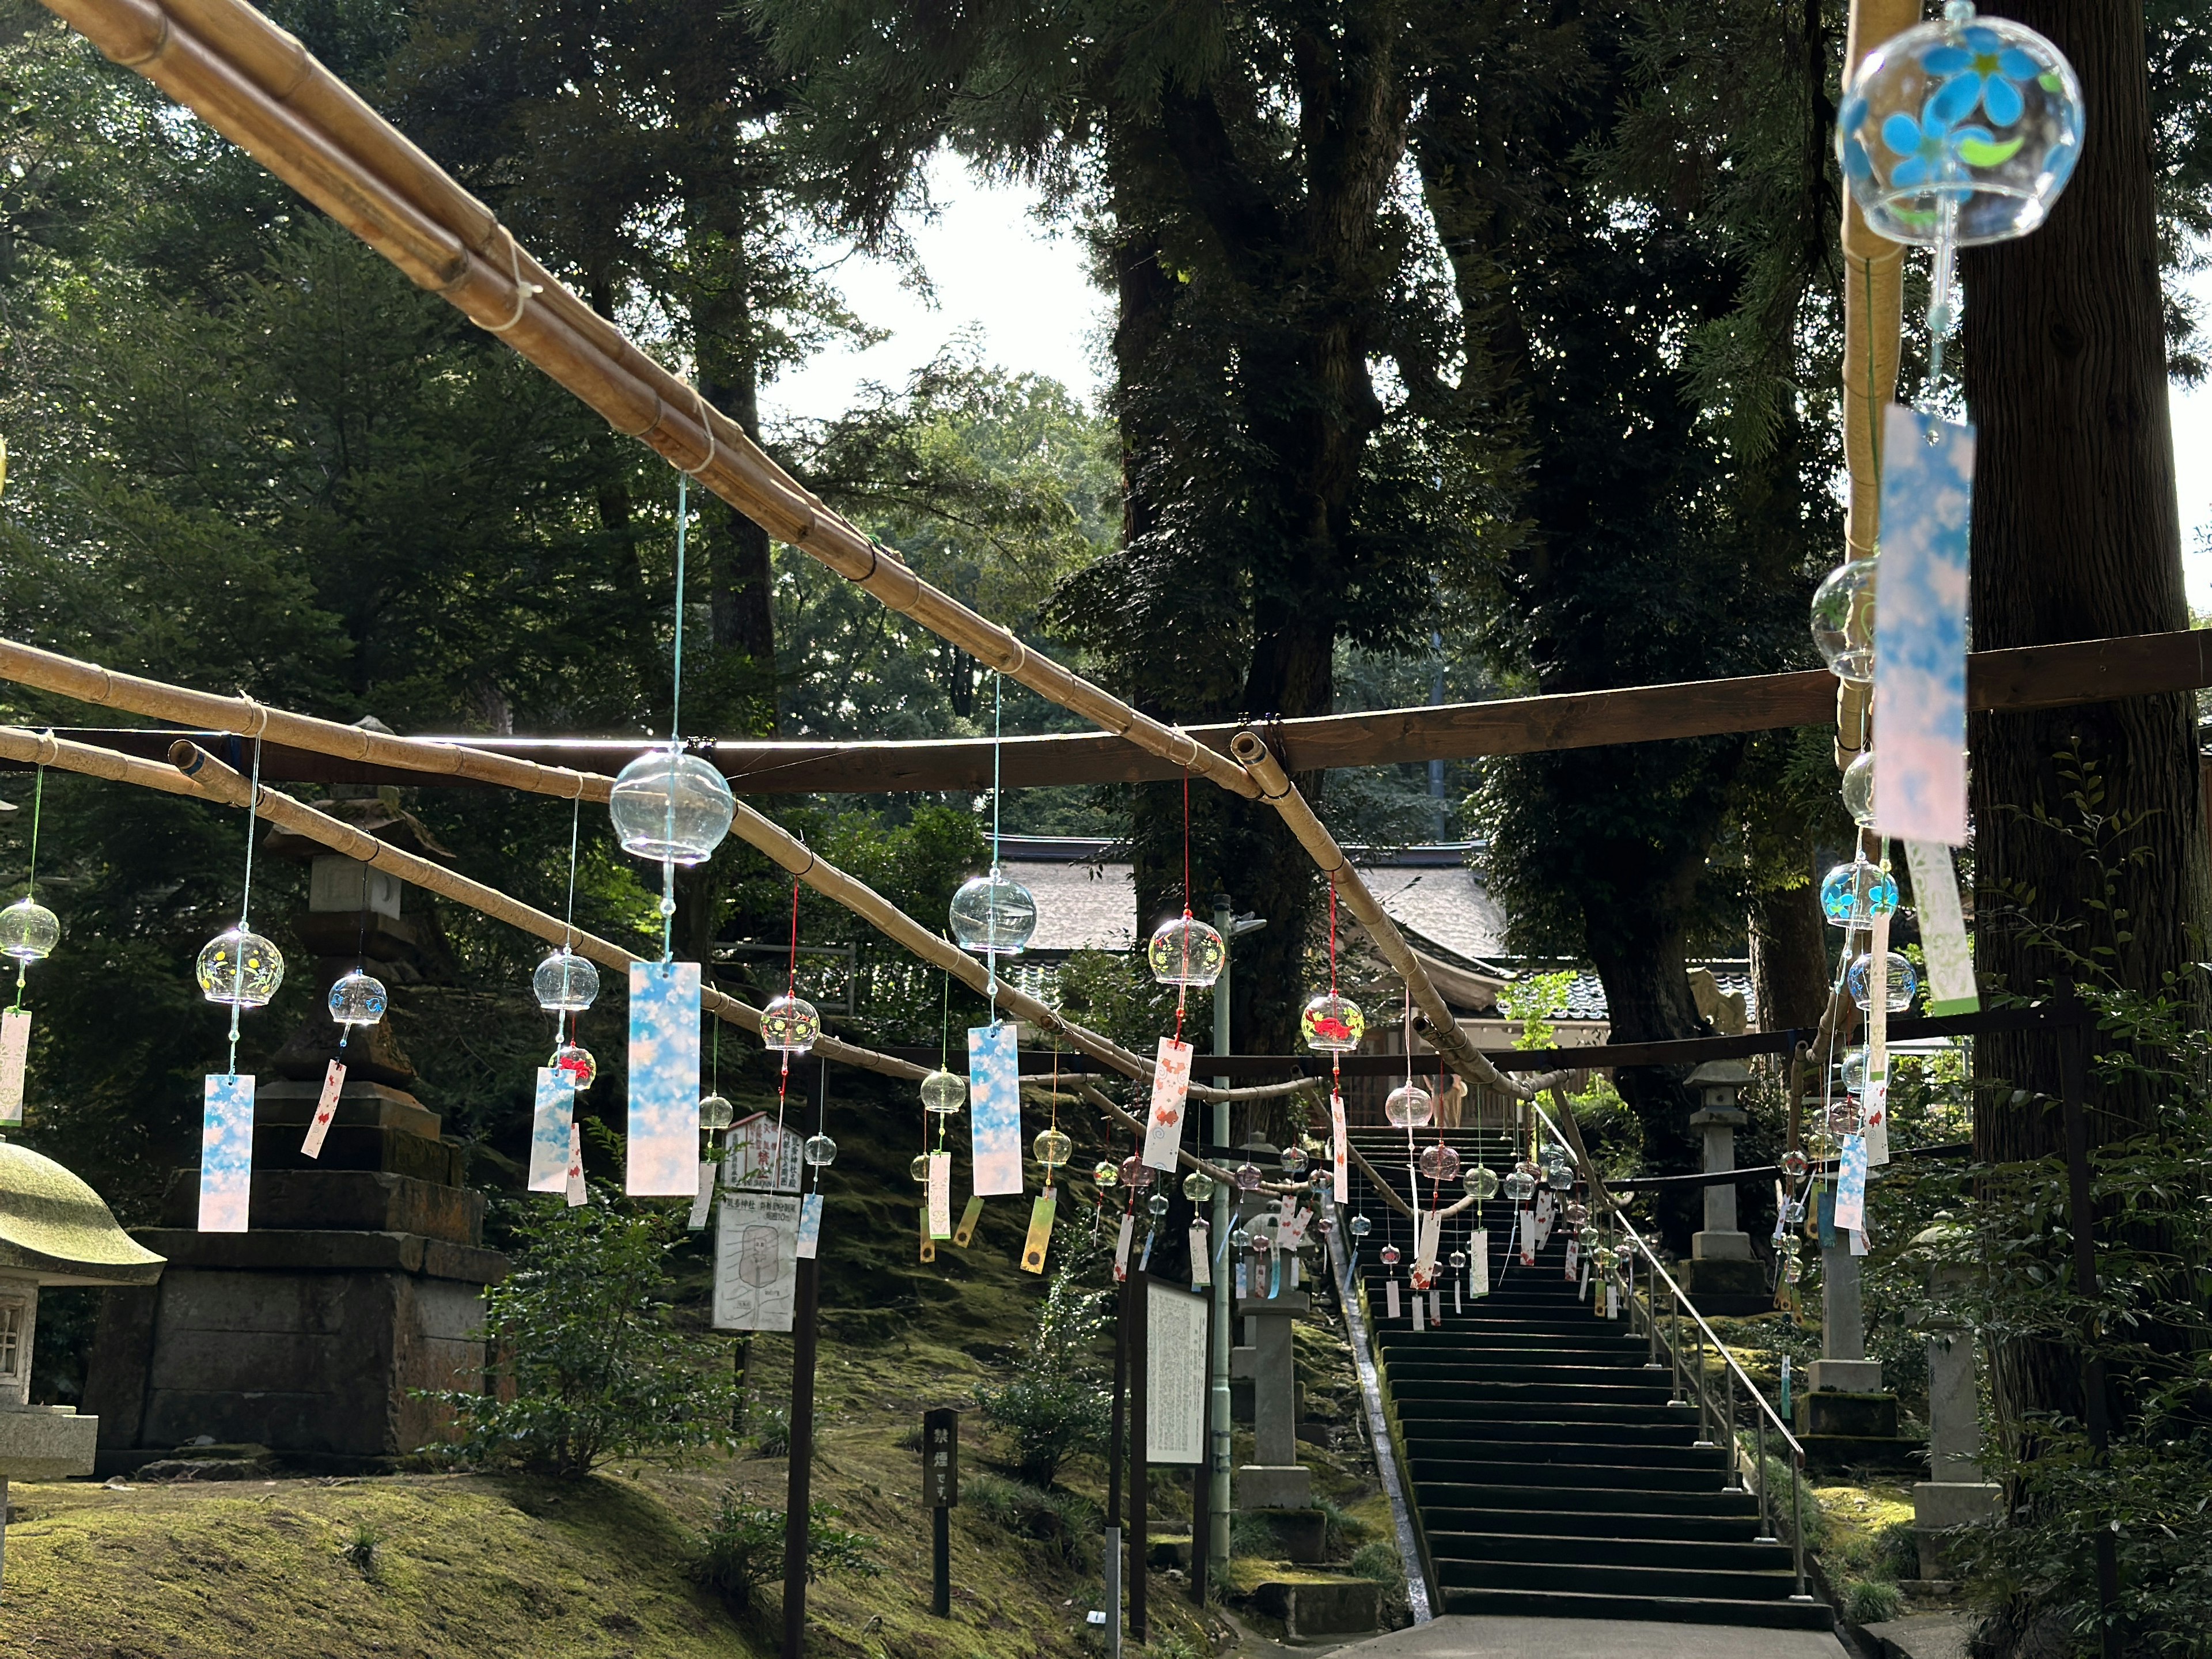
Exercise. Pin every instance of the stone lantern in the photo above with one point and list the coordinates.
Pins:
(53, 1230)
(1721, 1274)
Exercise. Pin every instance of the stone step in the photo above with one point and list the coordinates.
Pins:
(1660, 1609)
(1597, 1550)
(1513, 1493)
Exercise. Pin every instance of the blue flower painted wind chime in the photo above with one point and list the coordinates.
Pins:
(238, 968)
(1958, 132)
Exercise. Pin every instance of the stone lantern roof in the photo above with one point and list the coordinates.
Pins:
(55, 1229)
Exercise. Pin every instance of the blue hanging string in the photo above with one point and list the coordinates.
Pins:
(245, 904)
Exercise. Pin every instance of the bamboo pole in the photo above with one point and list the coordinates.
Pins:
(259, 88)
(1874, 311)
(90, 683)
(201, 777)
(1444, 1030)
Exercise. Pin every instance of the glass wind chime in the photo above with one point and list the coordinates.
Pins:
(357, 1000)
(28, 933)
(238, 968)
(669, 807)
(1186, 953)
(1956, 133)
(992, 915)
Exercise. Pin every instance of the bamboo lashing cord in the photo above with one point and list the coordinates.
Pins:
(261, 88)
(89, 683)
(1443, 1025)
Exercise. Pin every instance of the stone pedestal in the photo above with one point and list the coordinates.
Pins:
(1274, 1479)
(354, 1286)
(1844, 1418)
(1721, 1275)
(1954, 1495)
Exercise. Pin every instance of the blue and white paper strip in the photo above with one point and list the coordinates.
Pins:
(994, 1108)
(1920, 629)
(1850, 1183)
(663, 1160)
(1951, 988)
(548, 1130)
(226, 1153)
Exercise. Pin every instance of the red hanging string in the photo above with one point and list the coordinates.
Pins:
(790, 989)
(1332, 939)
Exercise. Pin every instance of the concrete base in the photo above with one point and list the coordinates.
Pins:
(1274, 1486)
(1830, 1411)
(1940, 1506)
(46, 1442)
(1726, 1284)
(1720, 1247)
(1341, 1607)
(1845, 1375)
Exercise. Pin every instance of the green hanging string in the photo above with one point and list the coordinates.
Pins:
(245, 904)
(997, 738)
(31, 879)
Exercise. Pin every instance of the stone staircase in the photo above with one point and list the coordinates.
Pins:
(1550, 1474)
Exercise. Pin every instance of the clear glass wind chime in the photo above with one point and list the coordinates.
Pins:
(1187, 954)
(567, 984)
(238, 968)
(28, 933)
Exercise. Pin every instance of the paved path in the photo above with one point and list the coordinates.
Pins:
(1475, 1636)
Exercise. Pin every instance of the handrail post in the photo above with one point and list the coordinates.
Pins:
(1797, 1524)
(1704, 1399)
(1650, 1323)
(1674, 1346)
(1727, 1437)
(1766, 1515)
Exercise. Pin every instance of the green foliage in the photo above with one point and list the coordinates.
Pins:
(360, 1550)
(1381, 1562)
(1535, 1000)
(1067, 1523)
(773, 1437)
(743, 1548)
(595, 1371)
(1872, 1600)
(1055, 1403)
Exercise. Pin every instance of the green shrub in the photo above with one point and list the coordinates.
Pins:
(1381, 1562)
(1872, 1600)
(742, 1548)
(1897, 1550)
(1056, 1404)
(1341, 1527)
(1068, 1523)
(773, 1439)
(596, 1373)
(1252, 1535)
(360, 1550)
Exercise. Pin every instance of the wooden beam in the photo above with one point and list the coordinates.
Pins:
(2007, 682)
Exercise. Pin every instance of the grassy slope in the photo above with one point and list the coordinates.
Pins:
(488, 1564)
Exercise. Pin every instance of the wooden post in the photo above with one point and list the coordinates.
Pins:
(799, 1505)
(940, 1489)
(1114, 1476)
(1140, 1308)
(1201, 1481)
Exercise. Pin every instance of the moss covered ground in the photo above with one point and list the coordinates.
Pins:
(470, 1565)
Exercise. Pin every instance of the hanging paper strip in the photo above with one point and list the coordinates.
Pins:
(1874, 1098)
(1574, 1257)
(14, 1049)
(1458, 1306)
(1545, 1207)
(1850, 1183)
(548, 1130)
(810, 1226)
(755, 1261)
(1040, 1238)
(928, 1244)
(326, 1110)
(1171, 1090)
(1427, 1230)
(1527, 1234)
(964, 1235)
(1478, 1262)
(662, 1157)
(1951, 988)
(1858, 1240)
(1826, 1202)
(995, 1106)
(1390, 1298)
(1436, 1308)
(940, 1195)
(1201, 1255)
(703, 1199)
(1243, 1279)
(576, 1184)
(1920, 629)
(1121, 1247)
(226, 1154)
(1340, 1148)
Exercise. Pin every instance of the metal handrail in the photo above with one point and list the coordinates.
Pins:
(1731, 1370)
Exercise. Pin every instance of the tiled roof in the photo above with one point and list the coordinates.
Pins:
(1080, 907)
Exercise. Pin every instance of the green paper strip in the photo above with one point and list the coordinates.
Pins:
(1951, 988)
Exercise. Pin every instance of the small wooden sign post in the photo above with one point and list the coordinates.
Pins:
(940, 1489)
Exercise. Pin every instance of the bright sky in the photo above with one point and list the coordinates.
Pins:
(1025, 293)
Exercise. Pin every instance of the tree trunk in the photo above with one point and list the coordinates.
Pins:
(1790, 971)
(2076, 535)
(1641, 960)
